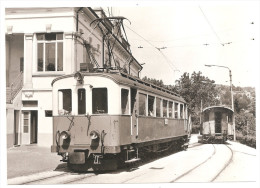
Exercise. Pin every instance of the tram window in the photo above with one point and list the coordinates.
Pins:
(124, 101)
(181, 111)
(170, 109)
(65, 101)
(99, 100)
(81, 101)
(165, 108)
(142, 104)
(206, 116)
(151, 100)
(230, 118)
(176, 110)
(158, 107)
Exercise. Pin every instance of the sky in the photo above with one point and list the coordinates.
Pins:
(182, 29)
(192, 35)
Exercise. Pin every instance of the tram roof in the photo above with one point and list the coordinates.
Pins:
(212, 107)
(132, 81)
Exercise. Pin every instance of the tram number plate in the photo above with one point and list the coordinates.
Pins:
(77, 158)
(218, 137)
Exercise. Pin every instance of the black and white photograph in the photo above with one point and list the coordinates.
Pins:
(130, 93)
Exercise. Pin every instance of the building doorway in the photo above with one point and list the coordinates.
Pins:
(34, 127)
(16, 127)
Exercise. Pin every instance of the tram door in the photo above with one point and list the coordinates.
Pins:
(218, 117)
(134, 115)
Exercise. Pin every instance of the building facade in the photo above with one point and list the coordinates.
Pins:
(44, 43)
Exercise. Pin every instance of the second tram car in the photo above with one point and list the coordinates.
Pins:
(102, 120)
(217, 125)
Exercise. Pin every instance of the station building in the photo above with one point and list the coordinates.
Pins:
(44, 43)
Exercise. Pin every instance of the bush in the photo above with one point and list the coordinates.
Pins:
(249, 140)
(195, 129)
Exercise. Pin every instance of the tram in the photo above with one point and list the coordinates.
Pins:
(217, 125)
(102, 120)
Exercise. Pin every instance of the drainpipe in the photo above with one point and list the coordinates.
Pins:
(139, 72)
(103, 51)
(77, 24)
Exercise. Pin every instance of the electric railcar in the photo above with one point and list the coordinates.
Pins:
(217, 125)
(102, 120)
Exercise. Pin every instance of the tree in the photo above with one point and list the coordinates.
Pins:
(197, 89)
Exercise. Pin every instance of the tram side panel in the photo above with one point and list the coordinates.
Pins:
(151, 129)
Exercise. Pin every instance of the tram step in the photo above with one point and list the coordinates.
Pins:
(132, 160)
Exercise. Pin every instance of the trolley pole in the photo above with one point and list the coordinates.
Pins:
(232, 101)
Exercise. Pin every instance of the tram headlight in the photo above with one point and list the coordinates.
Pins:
(94, 135)
(65, 135)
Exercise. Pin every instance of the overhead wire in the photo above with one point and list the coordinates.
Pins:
(172, 66)
(212, 28)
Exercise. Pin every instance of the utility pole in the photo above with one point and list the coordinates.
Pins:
(232, 102)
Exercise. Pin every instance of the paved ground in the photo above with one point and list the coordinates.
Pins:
(30, 159)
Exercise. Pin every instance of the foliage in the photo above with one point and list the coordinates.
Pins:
(198, 91)
(248, 140)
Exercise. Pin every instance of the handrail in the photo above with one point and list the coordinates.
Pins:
(16, 85)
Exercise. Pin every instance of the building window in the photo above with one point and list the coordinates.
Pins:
(124, 101)
(176, 110)
(170, 109)
(142, 104)
(65, 102)
(81, 101)
(49, 52)
(158, 107)
(48, 113)
(99, 100)
(151, 109)
(165, 108)
(30, 103)
(26, 122)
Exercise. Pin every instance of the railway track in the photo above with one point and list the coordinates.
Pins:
(199, 169)
(225, 165)
(126, 175)
(49, 177)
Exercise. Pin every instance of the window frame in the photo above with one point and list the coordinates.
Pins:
(78, 90)
(145, 104)
(44, 42)
(160, 107)
(71, 100)
(128, 102)
(107, 105)
(176, 111)
(154, 106)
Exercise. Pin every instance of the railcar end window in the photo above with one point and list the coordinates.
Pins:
(151, 100)
(230, 117)
(176, 110)
(206, 116)
(158, 107)
(99, 101)
(65, 101)
(142, 104)
(170, 109)
(81, 101)
(165, 108)
(124, 101)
